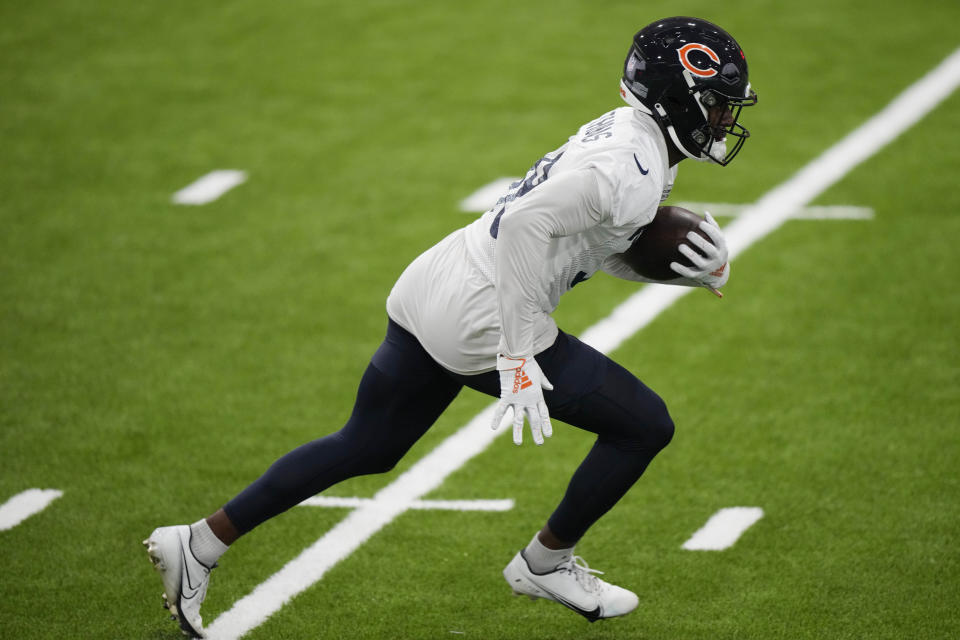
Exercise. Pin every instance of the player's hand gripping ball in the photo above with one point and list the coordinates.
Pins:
(659, 242)
(680, 243)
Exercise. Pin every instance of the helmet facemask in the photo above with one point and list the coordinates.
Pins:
(714, 140)
(684, 110)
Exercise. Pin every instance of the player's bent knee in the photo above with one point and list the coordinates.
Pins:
(647, 431)
(655, 426)
(661, 427)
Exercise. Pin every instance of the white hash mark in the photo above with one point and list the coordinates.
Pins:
(209, 187)
(723, 529)
(25, 504)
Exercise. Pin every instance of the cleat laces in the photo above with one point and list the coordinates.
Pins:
(584, 575)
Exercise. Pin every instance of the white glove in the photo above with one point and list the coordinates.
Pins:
(710, 267)
(521, 389)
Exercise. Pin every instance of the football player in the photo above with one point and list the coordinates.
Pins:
(475, 311)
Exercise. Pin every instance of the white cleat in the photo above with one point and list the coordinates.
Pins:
(185, 579)
(573, 585)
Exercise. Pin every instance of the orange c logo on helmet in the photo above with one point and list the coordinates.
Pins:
(684, 53)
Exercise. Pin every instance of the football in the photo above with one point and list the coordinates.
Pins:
(655, 248)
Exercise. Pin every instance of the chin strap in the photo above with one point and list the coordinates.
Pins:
(700, 157)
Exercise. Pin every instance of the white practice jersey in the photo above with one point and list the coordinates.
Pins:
(491, 286)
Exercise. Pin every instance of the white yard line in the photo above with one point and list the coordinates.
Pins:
(25, 504)
(723, 529)
(427, 474)
(209, 187)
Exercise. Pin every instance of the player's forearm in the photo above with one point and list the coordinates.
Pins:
(564, 205)
(521, 251)
(616, 267)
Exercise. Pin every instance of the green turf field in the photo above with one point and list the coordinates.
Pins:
(156, 358)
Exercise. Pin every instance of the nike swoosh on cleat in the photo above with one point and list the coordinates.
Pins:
(592, 616)
(185, 625)
(642, 170)
(184, 594)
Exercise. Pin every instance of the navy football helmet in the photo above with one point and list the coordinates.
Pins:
(677, 70)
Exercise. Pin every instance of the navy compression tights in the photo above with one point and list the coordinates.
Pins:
(404, 391)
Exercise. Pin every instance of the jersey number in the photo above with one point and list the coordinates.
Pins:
(539, 172)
